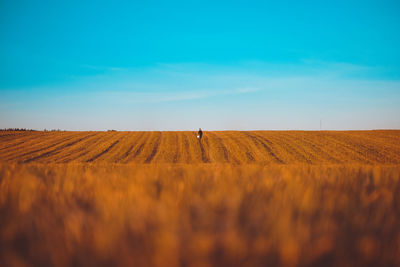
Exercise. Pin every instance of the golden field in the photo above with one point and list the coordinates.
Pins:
(265, 198)
(234, 147)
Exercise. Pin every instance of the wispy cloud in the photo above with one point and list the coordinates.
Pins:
(162, 97)
(103, 68)
(248, 96)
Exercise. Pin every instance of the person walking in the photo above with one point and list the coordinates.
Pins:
(200, 134)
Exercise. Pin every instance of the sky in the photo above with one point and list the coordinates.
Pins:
(218, 65)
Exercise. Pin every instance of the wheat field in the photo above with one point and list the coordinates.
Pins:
(233, 147)
(235, 198)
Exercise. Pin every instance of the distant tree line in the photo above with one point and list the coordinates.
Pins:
(44, 130)
(16, 129)
(24, 129)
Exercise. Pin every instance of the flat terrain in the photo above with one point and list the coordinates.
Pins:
(234, 147)
(259, 198)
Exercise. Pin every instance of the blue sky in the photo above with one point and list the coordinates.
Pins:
(181, 65)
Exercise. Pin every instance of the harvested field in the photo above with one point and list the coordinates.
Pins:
(234, 147)
(263, 198)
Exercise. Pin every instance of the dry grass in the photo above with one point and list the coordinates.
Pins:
(199, 215)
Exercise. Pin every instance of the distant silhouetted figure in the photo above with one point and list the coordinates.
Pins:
(200, 134)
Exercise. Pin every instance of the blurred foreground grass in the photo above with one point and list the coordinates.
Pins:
(199, 215)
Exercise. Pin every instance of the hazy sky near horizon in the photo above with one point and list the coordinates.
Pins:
(181, 65)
